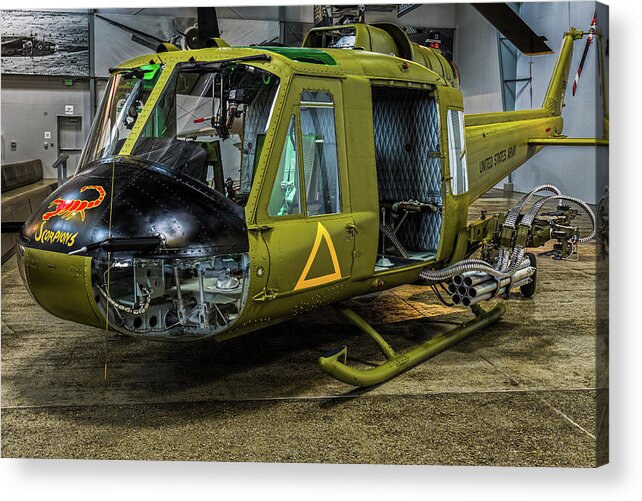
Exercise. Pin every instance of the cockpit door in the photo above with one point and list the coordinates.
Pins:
(305, 199)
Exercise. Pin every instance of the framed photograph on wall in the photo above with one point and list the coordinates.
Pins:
(45, 43)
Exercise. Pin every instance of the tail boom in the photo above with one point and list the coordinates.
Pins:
(554, 98)
(494, 151)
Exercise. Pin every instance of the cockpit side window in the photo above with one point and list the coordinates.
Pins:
(319, 147)
(285, 198)
(457, 152)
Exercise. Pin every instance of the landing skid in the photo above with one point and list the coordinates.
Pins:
(334, 363)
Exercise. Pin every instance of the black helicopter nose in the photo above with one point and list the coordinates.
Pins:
(136, 246)
(148, 201)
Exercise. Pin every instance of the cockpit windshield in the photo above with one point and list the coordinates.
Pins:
(125, 96)
(210, 123)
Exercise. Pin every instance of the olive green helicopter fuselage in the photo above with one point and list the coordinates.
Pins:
(156, 236)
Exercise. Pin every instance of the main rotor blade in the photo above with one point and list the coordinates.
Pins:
(144, 38)
(207, 25)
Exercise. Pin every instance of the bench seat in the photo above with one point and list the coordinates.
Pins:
(18, 203)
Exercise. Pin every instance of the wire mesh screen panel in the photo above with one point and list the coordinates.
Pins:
(407, 153)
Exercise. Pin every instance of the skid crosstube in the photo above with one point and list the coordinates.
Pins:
(334, 363)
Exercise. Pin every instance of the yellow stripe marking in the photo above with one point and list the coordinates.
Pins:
(304, 282)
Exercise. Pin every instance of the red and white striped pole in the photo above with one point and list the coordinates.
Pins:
(589, 40)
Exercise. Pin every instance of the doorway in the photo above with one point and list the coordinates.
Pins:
(70, 139)
(408, 159)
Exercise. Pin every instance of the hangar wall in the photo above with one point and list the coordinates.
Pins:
(579, 171)
(478, 66)
(438, 15)
(30, 106)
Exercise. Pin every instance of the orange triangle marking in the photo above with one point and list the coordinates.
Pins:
(305, 282)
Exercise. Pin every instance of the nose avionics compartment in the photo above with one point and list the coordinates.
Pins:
(171, 297)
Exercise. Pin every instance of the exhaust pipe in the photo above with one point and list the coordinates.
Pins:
(472, 287)
(491, 285)
(476, 278)
(469, 301)
(470, 278)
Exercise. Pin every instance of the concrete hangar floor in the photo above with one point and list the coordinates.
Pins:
(524, 391)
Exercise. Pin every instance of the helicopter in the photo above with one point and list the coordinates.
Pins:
(226, 189)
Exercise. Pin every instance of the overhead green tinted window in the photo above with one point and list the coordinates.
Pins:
(150, 70)
(303, 55)
(286, 197)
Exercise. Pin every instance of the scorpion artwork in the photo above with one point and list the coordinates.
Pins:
(67, 209)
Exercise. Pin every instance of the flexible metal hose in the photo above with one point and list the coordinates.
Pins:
(513, 213)
(503, 260)
(518, 252)
(533, 211)
(508, 258)
(449, 272)
(134, 311)
(516, 258)
(390, 235)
